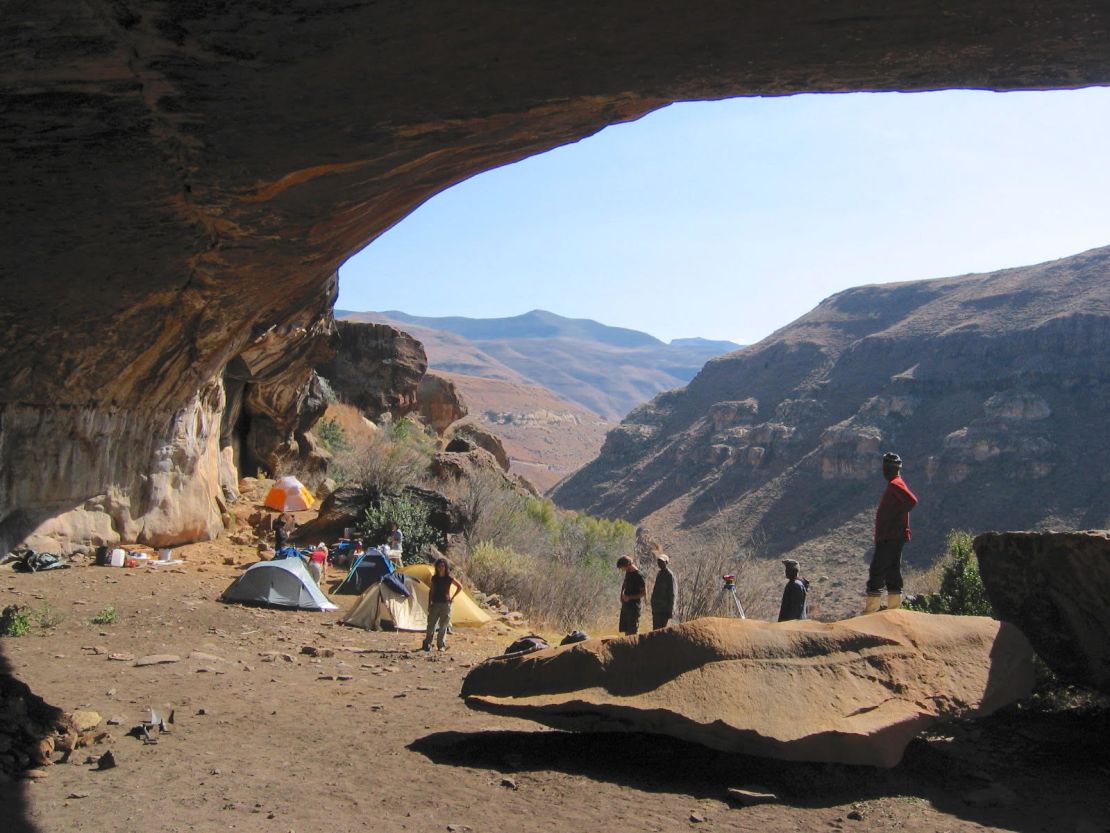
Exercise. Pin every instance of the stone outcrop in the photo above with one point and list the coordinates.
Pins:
(1054, 586)
(441, 403)
(469, 435)
(987, 385)
(377, 368)
(852, 692)
(173, 207)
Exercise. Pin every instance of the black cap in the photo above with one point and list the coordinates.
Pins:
(892, 459)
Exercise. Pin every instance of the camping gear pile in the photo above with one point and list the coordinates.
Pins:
(29, 561)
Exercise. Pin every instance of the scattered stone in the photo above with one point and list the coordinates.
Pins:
(996, 795)
(85, 720)
(508, 782)
(751, 795)
(156, 659)
(326, 677)
(78, 795)
(377, 707)
(34, 774)
(697, 818)
(202, 712)
(116, 720)
(344, 677)
(288, 657)
(203, 657)
(121, 656)
(313, 651)
(855, 815)
(459, 828)
(106, 761)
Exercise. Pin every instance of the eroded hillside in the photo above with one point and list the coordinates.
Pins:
(993, 387)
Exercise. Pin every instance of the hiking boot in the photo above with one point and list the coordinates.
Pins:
(425, 647)
(442, 648)
(893, 601)
(873, 603)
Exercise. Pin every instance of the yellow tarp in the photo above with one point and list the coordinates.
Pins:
(464, 610)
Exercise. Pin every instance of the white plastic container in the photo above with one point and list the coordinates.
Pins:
(117, 558)
(165, 555)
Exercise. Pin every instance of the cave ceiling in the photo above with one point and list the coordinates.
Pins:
(180, 177)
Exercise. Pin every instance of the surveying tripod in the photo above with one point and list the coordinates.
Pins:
(730, 588)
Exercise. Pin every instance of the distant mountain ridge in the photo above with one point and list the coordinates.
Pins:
(994, 388)
(608, 370)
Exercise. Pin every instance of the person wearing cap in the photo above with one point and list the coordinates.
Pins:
(794, 594)
(892, 531)
(662, 593)
(633, 590)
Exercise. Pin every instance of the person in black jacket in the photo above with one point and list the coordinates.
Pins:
(662, 594)
(633, 590)
(794, 594)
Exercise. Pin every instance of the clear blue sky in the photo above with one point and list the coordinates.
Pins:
(729, 219)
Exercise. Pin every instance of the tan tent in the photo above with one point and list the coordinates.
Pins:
(380, 603)
(465, 612)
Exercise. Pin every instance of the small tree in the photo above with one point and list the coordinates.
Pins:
(412, 518)
(961, 589)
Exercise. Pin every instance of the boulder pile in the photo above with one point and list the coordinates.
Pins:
(27, 727)
(852, 692)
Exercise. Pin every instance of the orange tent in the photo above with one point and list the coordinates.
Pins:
(289, 495)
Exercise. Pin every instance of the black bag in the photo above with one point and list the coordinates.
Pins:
(574, 636)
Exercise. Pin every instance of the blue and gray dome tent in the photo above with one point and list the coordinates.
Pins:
(283, 583)
(369, 568)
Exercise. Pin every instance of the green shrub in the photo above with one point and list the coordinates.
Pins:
(15, 620)
(411, 516)
(47, 617)
(396, 456)
(106, 616)
(332, 435)
(961, 590)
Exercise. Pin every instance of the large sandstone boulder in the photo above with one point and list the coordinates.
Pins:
(377, 368)
(852, 692)
(1055, 587)
(468, 436)
(441, 403)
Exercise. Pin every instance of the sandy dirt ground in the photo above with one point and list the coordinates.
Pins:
(375, 737)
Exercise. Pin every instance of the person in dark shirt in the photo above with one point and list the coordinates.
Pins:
(444, 589)
(892, 531)
(633, 591)
(662, 593)
(794, 594)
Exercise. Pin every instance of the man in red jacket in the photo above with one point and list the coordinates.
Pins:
(892, 531)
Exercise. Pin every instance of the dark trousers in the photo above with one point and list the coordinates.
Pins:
(630, 618)
(659, 619)
(886, 568)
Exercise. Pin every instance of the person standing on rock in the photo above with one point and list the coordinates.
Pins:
(794, 594)
(633, 591)
(892, 531)
(444, 589)
(662, 593)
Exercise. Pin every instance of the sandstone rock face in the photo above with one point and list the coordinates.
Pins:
(1054, 586)
(851, 692)
(441, 403)
(483, 438)
(987, 385)
(174, 209)
(377, 368)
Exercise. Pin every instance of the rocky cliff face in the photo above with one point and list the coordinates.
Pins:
(992, 387)
(183, 179)
(377, 368)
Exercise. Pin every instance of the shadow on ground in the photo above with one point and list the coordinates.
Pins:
(1045, 771)
(14, 812)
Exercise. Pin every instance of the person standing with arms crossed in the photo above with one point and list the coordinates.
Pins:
(892, 531)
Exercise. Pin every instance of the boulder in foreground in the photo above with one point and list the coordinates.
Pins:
(852, 692)
(1054, 586)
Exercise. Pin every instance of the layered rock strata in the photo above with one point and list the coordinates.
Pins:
(178, 176)
(1054, 586)
(852, 692)
(377, 369)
